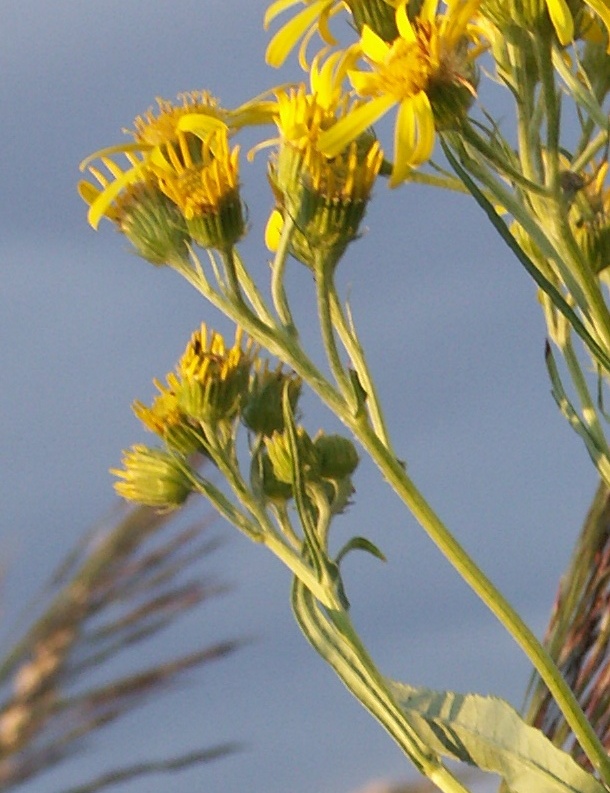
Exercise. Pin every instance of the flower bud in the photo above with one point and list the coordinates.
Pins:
(337, 456)
(153, 477)
(273, 488)
(278, 448)
(263, 412)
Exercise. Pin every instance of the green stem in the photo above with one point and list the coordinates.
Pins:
(278, 293)
(334, 638)
(285, 347)
(493, 599)
(324, 288)
(349, 339)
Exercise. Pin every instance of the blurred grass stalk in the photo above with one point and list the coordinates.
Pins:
(119, 588)
(578, 635)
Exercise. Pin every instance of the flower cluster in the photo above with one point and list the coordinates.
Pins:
(181, 183)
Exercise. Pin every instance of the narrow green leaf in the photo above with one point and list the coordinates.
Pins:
(547, 287)
(597, 451)
(488, 733)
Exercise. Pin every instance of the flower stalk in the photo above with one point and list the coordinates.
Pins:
(418, 60)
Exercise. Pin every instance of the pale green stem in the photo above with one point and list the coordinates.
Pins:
(228, 258)
(336, 641)
(252, 292)
(324, 280)
(349, 339)
(284, 347)
(278, 268)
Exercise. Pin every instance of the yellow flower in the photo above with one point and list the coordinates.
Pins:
(428, 67)
(149, 220)
(153, 136)
(201, 177)
(325, 196)
(213, 378)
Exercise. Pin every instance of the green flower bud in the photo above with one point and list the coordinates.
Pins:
(337, 456)
(153, 477)
(273, 488)
(263, 411)
(278, 448)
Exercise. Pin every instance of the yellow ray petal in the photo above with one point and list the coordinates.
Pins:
(276, 8)
(334, 140)
(403, 23)
(287, 36)
(101, 204)
(373, 46)
(562, 20)
(413, 136)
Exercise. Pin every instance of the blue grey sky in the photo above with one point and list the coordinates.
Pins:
(453, 333)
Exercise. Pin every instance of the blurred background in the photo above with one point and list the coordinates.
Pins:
(453, 334)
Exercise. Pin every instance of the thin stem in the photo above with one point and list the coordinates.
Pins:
(252, 292)
(349, 339)
(324, 288)
(278, 293)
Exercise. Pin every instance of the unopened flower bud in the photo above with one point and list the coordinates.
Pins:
(263, 412)
(278, 448)
(337, 456)
(153, 477)
(273, 488)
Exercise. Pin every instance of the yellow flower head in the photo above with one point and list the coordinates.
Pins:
(201, 177)
(213, 378)
(153, 135)
(167, 420)
(325, 196)
(150, 221)
(302, 116)
(427, 72)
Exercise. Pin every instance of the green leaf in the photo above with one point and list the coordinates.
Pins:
(488, 733)
(359, 544)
